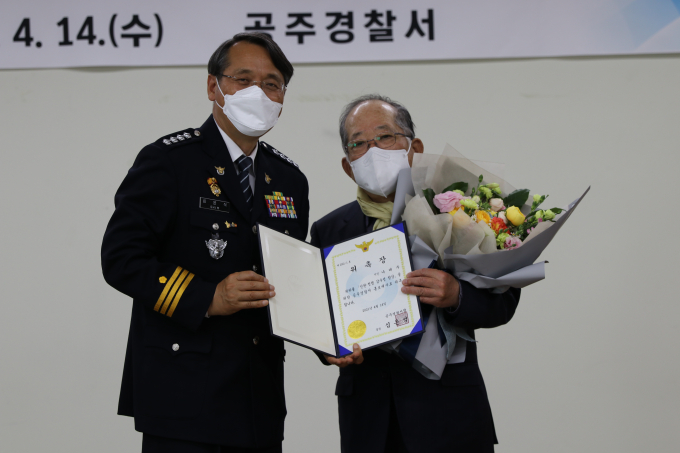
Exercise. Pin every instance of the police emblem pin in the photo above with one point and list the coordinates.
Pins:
(267, 179)
(220, 170)
(214, 188)
(216, 246)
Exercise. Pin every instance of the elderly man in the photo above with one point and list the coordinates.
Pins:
(202, 373)
(385, 405)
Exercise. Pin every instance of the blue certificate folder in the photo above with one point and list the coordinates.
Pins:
(328, 299)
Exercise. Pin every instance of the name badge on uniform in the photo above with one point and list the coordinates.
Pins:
(213, 205)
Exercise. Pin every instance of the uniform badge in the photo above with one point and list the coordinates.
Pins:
(267, 179)
(214, 188)
(216, 246)
(220, 170)
(280, 206)
(230, 224)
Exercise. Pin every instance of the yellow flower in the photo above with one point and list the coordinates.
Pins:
(483, 216)
(514, 215)
(454, 211)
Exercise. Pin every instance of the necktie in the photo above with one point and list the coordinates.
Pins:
(244, 163)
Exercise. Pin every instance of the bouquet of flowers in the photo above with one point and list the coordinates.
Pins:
(481, 228)
(476, 225)
(510, 227)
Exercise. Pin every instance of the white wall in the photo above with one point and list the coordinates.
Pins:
(588, 364)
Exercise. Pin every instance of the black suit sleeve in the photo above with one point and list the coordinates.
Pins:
(145, 212)
(480, 308)
(314, 236)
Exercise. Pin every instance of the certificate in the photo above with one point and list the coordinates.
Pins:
(328, 299)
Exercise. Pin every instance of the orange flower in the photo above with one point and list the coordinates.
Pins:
(497, 224)
(483, 216)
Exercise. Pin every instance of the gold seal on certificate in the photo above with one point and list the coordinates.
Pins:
(348, 293)
(356, 329)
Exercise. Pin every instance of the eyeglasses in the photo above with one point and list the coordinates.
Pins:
(382, 141)
(268, 86)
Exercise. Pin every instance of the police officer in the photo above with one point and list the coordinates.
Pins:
(202, 373)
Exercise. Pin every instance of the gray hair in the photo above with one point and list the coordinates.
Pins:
(402, 118)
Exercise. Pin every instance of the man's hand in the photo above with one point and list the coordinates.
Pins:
(433, 286)
(356, 357)
(238, 291)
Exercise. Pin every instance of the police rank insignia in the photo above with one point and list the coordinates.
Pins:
(220, 170)
(267, 179)
(280, 206)
(214, 188)
(216, 246)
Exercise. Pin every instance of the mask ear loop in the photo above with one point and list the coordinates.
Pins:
(409, 145)
(223, 96)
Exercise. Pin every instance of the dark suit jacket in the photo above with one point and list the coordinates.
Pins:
(215, 380)
(452, 414)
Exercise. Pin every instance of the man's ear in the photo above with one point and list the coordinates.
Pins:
(416, 147)
(212, 84)
(348, 168)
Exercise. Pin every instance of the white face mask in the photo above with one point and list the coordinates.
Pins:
(250, 110)
(377, 170)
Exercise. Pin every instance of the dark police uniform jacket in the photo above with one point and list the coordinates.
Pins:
(452, 414)
(217, 380)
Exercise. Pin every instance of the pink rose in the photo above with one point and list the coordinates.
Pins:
(512, 242)
(447, 201)
(496, 204)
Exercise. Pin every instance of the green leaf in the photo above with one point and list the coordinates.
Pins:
(557, 210)
(429, 196)
(481, 177)
(457, 186)
(517, 198)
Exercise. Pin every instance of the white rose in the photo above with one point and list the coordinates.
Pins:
(501, 215)
(496, 204)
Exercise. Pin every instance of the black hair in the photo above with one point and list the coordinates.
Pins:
(219, 60)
